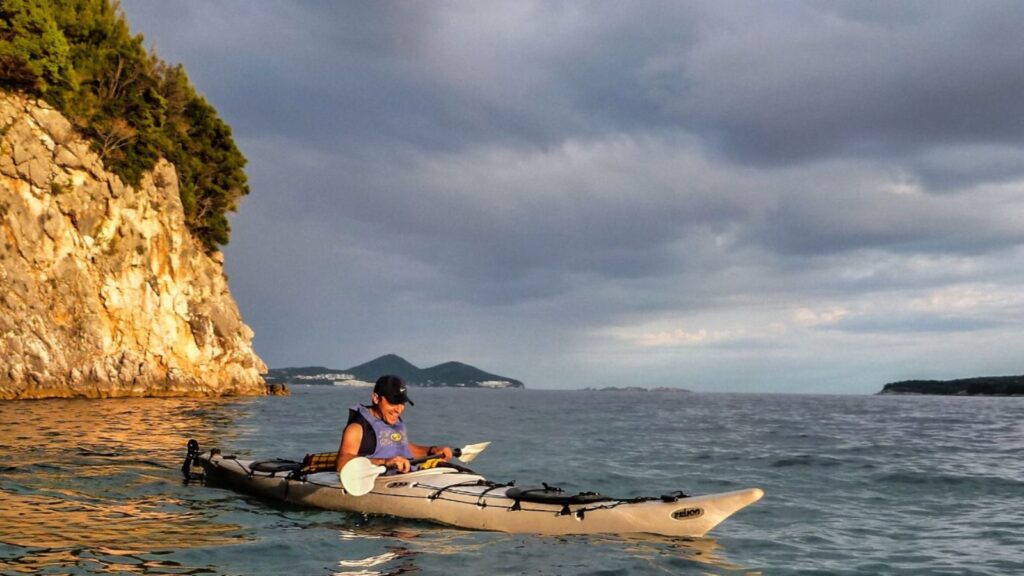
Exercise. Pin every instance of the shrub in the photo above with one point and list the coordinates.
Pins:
(80, 56)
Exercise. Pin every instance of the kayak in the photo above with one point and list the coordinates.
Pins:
(453, 495)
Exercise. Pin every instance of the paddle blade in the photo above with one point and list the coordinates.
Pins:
(359, 475)
(471, 451)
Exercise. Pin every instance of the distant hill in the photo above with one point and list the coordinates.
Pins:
(984, 386)
(447, 374)
(452, 373)
(387, 364)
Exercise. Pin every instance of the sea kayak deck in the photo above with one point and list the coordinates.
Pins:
(468, 500)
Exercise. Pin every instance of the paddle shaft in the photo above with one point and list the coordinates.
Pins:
(359, 474)
(414, 461)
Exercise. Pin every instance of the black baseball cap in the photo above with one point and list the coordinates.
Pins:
(393, 388)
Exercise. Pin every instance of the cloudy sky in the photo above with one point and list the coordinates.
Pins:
(721, 196)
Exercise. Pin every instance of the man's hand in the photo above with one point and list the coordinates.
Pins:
(442, 452)
(399, 463)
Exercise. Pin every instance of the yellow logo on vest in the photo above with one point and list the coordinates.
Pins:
(396, 437)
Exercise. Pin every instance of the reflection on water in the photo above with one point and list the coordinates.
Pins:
(139, 525)
(113, 428)
(700, 550)
(406, 542)
(90, 485)
(95, 560)
(363, 566)
(398, 559)
(369, 562)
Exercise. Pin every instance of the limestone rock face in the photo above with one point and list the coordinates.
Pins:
(103, 291)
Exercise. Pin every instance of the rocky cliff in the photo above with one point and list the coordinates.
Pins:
(103, 292)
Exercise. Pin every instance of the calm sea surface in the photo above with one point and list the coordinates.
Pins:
(855, 485)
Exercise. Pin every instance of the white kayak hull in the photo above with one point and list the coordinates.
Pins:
(467, 500)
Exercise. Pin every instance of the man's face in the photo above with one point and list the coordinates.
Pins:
(390, 412)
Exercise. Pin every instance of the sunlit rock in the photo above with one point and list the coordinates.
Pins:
(103, 292)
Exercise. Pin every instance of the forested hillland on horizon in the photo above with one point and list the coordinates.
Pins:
(447, 374)
(982, 386)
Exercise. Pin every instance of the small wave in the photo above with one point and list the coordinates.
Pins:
(987, 483)
(103, 454)
(806, 460)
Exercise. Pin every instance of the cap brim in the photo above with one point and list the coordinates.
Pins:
(400, 400)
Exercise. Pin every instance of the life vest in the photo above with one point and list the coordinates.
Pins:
(390, 440)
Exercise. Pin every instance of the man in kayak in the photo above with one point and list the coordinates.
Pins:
(378, 432)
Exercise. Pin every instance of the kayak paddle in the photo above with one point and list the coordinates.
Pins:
(359, 474)
(468, 452)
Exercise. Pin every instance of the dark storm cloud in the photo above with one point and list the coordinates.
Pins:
(912, 324)
(432, 75)
(615, 209)
(777, 83)
(517, 176)
(838, 218)
(762, 83)
(959, 168)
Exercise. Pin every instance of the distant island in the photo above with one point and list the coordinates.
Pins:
(984, 386)
(635, 389)
(446, 375)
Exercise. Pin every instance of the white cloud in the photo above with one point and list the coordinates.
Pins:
(974, 298)
(822, 317)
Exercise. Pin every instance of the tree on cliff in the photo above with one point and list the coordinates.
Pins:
(33, 52)
(80, 56)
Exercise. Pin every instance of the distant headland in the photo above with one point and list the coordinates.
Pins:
(635, 389)
(983, 386)
(446, 375)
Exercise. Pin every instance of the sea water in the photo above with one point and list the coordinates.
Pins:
(854, 484)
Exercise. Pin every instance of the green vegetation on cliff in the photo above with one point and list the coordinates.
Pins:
(80, 56)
